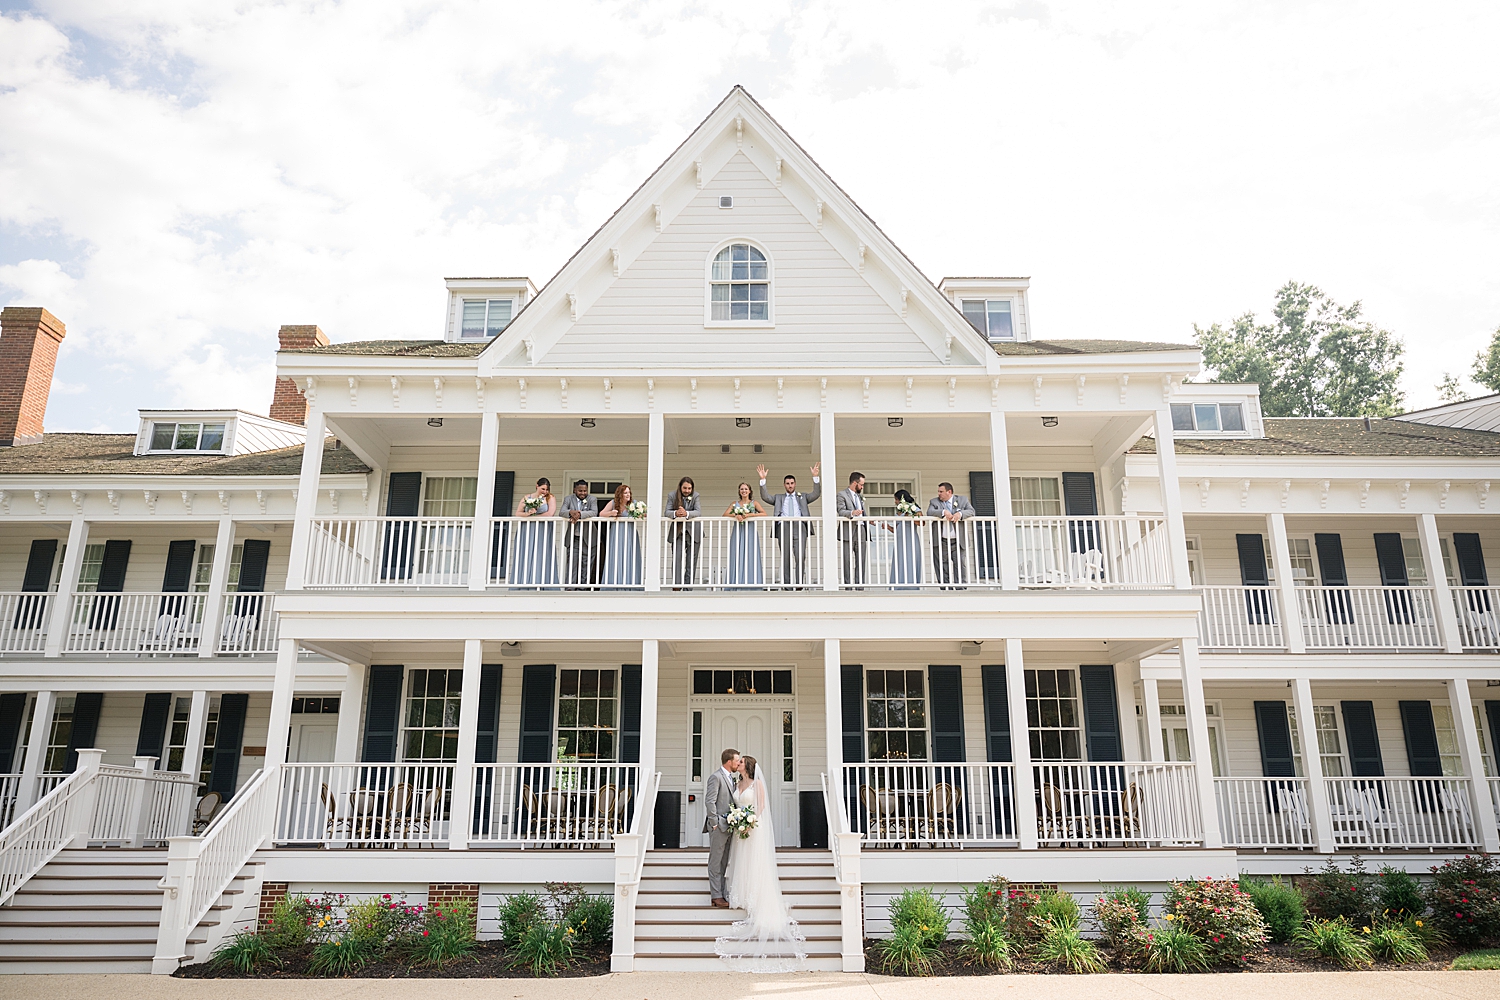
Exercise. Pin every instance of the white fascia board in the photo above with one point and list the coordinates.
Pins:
(1059, 866)
(336, 366)
(79, 673)
(1176, 364)
(1434, 668)
(1338, 467)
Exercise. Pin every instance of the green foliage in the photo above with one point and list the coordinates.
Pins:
(544, 947)
(910, 951)
(1334, 940)
(1487, 365)
(1173, 949)
(986, 944)
(246, 952)
(1056, 909)
(1316, 359)
(1450, 389)
(920, 913)
(1066, 948)
(1394, 941)
(1023, 932)
(288, 925)
(985, 902)
(1333, 893)
(1465, 899)
(1487, 958)
(445, 934)
(1222, 916)
(343, 955)
(518, 913)
(1398, 895)
(593, 921)
(1280, 905)
(1121, 917)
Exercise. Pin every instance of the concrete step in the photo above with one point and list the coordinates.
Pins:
(652, 897)
(665, 945)
(702, 963)
(27, 965)
(688, 930)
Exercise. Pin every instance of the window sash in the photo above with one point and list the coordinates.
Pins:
(739, 285)
(588, 715)
(483, 319)
(896, 714)
(1054, 714)
(187, 437)
(1035, 496)
(429, 730)
(449, 496)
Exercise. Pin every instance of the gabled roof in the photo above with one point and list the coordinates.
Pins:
(396, 349)
(1344, 437)
(112, 455)
(1055, 347)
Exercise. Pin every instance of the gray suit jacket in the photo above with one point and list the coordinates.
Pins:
(786, 504)
(718, 799)
(845, 506)
(959, 503)
(588, 507)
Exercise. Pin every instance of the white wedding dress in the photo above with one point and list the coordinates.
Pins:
(767, 940)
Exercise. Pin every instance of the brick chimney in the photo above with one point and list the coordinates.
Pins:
(288, 403)
(29, 336)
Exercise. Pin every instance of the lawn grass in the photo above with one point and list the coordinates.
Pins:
(1486, 958)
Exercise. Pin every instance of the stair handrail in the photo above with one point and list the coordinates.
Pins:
(630, 863)
(844, 844)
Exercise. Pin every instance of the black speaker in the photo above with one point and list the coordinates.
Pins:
(814, 819)
(666, 822)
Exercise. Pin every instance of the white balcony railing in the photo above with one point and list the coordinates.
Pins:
(1478, 611)
(249, 625)
(364, 805)
(1401, 812)
(23, 622)
(1093, 552)
(1130, 803)
(136, 623)
(530, 805)
(1368, 617)
(1264, 812)
(906, 553)
(759, 553)
(909, 803)
(389, 552)
(1241, 618)
(535, 553)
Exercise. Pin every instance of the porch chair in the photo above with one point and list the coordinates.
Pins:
(205, 811)
(396, 820)
(333, 822)
(539, 821)
(602, 823)
(943, 801)
(875, 809)
(1052, 818)
(1292, 808)
(1130, 813)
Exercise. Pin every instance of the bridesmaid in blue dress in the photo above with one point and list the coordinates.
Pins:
(906, 554)
(622, 543)
(745, 567)
(534, 559)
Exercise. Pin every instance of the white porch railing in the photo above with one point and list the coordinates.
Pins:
(1241, 618)
(250, 624)
(1264, 812)
(10, 794)
(759, 553)
(905, 553)
(631, 846)
(1368, 617)
(389, 552)
(136, 623)
(1401, 812)
(365, 805)
(133, 806)
(909, 803)
(534, 553)
(1478, 611)
(23, 622)
(531, 805)
(1112, 551)
(1129, 802)
(844, 844)
(43, 831)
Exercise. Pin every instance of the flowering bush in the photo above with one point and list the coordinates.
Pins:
(1122, 925)
(1465, 899)
(1333, 892)
(1019, 906)
(1221, 915)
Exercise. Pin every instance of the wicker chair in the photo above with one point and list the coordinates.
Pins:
(206, 810)
(943, 801)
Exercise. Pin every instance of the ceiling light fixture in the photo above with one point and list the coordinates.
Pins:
(742, 421)
(587, 422)
(434, 421)
(894, 421)
(1049, 421)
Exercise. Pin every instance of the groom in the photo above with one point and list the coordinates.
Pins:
(718, 799)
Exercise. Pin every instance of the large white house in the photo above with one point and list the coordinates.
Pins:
(331, 650)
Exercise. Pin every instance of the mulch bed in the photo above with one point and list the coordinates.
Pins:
(488, 961)
(1275, 958)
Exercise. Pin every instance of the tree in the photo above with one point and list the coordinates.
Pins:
(1449, 390)
(1317, 359)
(1487, 364)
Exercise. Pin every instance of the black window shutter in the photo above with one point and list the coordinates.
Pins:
(383, 713)
(403, 496)
(487, 740)
(1364, 741)
(505, 496)
(1078, 494)
(1101, 717)
(945, 698)
(537, 683)
(179, 575)
(39, 565)
(1331, 560)
(982, 493)
(1492, 709)
(987, 550)
(112, 569)
(1252, 549)
(228, 740)
(630, 713)
(1422, 755)
(1466, 550)
(1392, 559)
(253, 559)
(153, 732)
(12, 717)
(1276, 751)
(86, 708)
(852, 710)
(996, 712)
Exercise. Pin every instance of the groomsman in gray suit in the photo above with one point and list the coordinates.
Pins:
(949, 546)
(579, 537)
(793, 537)
(718, 799)
(854, 534)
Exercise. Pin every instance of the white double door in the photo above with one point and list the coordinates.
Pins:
(754, 732)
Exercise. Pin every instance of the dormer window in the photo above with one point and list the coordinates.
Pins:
(1209, 418)
(485, 318)
(739, 285)
(991, 317)
(187, 437)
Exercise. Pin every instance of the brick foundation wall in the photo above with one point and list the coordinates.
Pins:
(288, 404)
(270, 894)
(29, 338)
(442, 894)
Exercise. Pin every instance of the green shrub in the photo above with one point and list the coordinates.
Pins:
(1122, 923)
(544, 947)
(343, 955)
(909, 951)
(445, 934)
(1398, 896)
(1172, 949)
(245, 952)
(1333, 893)
(1069, 950)
(1465, 899)
(1056, 909)
(1280, 906)
(1221, 916)
(1394, 941)
(518, 913)
(593, 921)
(1488, 958)
(985, 902)
(1023, 932)
(1134, 896)
(987, 944)
(288, 925)
(1334, 940)
(921, 913)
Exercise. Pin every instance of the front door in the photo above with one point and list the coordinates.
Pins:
(754, 732)
(315, 743)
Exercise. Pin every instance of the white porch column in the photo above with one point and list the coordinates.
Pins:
(832, 482)
(279, 728)
(1312, 765)
(650, 681)
(461, 813)
(42, 711)
(1151, 698)
(307, 503)
(1020, 744)
(1010, 570)
(218, 582)
(192, 747)
(1197, 717)
(1171, 498)
(1437, 579)
(67, 585)
(351, 706)
(655, 460)
(484, 501)
(833, 720)
(1130, 726)
(1462, 707)
(1291, 610)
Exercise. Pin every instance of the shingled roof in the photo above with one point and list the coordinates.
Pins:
(399, 349)
(111, 455)
(1032, 348)
(1344, 437)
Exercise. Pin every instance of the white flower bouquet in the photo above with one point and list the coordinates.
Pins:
(742, 509)
(533, 503)
(742, 820)
(636, 509)
(908, 509)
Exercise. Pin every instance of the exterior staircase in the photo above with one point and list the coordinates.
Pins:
(98, 910)
(675, 925)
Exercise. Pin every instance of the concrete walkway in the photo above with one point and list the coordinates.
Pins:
(813, 986)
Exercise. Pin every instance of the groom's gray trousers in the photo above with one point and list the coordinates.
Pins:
(718, 862)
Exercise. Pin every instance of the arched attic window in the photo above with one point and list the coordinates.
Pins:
(739, 285)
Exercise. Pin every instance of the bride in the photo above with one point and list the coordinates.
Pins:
(767, 940)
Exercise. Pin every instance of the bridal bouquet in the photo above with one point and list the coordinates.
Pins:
(532, 504)
(636, 508)
(742, 509)
(742, 820)
(908, 509)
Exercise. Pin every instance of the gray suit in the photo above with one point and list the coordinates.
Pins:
(950, 548)
(686, 538)
(793, 537)
(854, 535)
(718, 799)
(580, 539)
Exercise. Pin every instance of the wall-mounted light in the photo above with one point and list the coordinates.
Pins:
(894, 421)
(587, 422)
(434, 421)
(1049, 421)
(970, 648)
(742, 421)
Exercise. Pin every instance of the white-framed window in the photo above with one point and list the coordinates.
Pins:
(1209, 418)
(449, 496)
(1486, 752)
(430, 730)
(697, 750)
(177, 738)
(185, 436)
(880, 492)
(739, 285)
(1447, 740)
(1035, 496)
(1195, 559)
(1053, 714)
(1330, 740)
(788, 765)
(88, 572)
(588, 714)
(58, 734)
(203, 570)
(602, 485)
(896, 714)
(993, 318)
(1304, 562)
(485, 318)
(1175, 741)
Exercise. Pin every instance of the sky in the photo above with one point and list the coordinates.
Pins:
(179, 178)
